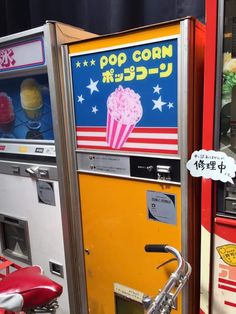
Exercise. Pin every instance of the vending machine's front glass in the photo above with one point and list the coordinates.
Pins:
(226, 115)
(26, 126)
(25, 109)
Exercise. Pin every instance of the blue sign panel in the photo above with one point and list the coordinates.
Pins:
(126, 99)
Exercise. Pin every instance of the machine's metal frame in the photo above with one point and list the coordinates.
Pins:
(183, 135)
(219, 67)
(184, 42)
(212, 221)
(54, 34)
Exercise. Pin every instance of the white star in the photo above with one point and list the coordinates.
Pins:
(85, 63)
(170, 105)
(80, 98)
(94, 109)
(158, 104)
(92, 86)
(157, 89)
(92, 62)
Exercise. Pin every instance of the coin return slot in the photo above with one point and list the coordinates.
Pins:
(15, 238)
(56, 269)
(125, 305)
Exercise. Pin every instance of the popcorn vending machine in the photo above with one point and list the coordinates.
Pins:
(135, 102)
(33, 218)
(218, 258)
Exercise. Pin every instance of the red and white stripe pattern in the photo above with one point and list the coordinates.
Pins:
(228, 285)
(150, 140)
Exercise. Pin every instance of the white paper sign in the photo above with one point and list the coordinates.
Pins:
(128, 293)
(22, 55)
(213, 165)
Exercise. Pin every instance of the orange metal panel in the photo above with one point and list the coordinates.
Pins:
(115, 230)
(127, 38)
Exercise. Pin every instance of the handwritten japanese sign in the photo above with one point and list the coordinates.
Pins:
(125, 98)
(213, 165)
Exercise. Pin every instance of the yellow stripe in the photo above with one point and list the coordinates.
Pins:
(126, 37)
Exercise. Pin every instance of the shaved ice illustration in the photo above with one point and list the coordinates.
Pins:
(31, 98)
(124, 111)
(7, 115)
(31, 102)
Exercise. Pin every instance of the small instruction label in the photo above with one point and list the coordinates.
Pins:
(213, 165)
(45, 192)
(128, 293)
(39, 150)
(161, 207)
(100, 163)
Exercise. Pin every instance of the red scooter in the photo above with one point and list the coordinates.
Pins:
(28, 291)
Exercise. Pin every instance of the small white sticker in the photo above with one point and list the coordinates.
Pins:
(213, 165)
(128, 293)
(161, 207)
(45, 192)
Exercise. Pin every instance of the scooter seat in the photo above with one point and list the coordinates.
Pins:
(35, 288)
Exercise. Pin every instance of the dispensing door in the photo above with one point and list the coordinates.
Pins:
(224, 230)
(130, 114)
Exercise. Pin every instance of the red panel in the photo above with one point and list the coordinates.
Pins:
(208, 132)
(209, 103)
(225, 228)
(230, 304)
(142, 139)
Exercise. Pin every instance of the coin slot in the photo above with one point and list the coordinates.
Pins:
(56, 269)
